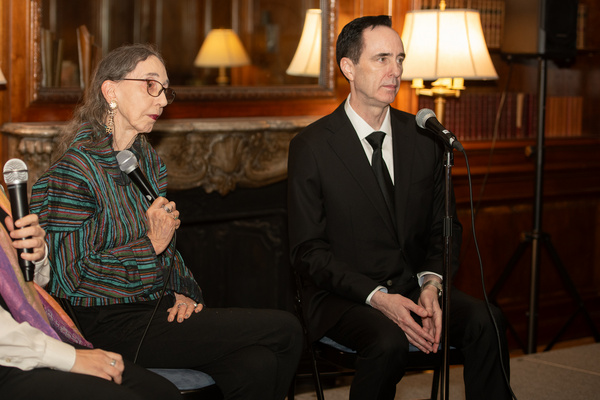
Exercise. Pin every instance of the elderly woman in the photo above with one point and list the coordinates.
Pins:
(112, 252)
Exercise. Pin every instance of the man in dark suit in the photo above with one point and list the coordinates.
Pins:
(365, 218)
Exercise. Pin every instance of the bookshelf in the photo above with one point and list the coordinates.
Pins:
(474, 116)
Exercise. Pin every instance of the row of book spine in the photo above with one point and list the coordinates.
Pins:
(473, 116)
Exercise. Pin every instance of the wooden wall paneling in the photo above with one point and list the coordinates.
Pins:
(570, 216)
(592, 39)
(406, 100)
(5, 65)
(19, 92)
(499, 234)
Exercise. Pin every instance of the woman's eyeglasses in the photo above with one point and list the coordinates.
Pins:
(155, 88)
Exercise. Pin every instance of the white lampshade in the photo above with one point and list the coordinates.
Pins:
(222, 48)
(445, 44)
(2, 78)
(307, 59)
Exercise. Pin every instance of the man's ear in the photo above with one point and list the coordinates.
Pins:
(347, 67)
(109, 90)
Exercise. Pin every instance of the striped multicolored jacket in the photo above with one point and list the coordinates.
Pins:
(95, 219)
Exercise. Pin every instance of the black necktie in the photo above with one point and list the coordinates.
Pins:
(382, 174)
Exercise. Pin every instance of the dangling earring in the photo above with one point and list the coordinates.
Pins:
(111, 117)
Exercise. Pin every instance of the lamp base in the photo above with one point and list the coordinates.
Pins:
(439, 91)
(440, 108)
(222, 79)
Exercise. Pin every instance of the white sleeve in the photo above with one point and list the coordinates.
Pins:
(42, 269)
(25, 347)
(370, 296)
(421, 275)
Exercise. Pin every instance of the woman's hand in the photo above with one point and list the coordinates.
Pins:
(183, 308)
(30, 236)
(100, 363)
(163, 220)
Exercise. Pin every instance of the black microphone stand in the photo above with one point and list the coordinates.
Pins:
(536, 238)
(447, 226)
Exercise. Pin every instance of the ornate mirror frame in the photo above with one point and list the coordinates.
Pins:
(324, 87)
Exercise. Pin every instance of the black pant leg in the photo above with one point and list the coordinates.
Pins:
(382, 349)
(484, 348)
(378, 340)
(239, 348)
(48, 384)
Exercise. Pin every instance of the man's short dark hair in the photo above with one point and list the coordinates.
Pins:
(350, 41)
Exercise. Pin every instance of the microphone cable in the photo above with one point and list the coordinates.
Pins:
(488, 169)
(162, 294)
(487, 302)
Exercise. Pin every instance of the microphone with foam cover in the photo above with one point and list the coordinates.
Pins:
(426, 119)
(128, 163)
(15, 177)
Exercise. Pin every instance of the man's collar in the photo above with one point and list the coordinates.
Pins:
(363, 129)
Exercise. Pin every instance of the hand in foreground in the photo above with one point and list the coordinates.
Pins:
(163, 220)
(398, 308)
(183, 308)
(31, 236)
(100, 363)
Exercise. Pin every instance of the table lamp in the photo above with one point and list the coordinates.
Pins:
(221, 49)
(447, 47)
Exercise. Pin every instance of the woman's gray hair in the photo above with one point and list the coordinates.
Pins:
(94, 107)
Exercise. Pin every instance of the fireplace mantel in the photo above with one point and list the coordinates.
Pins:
(215, 154)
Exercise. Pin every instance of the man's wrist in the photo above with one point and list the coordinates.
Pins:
(377, 289)
(435, 284)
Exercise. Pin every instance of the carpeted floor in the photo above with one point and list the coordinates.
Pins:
(570, 373)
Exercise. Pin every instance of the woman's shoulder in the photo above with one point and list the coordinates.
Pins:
(86, 143)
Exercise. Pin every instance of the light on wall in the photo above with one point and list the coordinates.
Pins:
(2, 78)
(447, 47)
(307, 59)
(221, 49)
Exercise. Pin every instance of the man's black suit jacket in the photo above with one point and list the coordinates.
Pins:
(343, 241)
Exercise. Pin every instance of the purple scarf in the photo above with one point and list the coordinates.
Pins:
(26, 301)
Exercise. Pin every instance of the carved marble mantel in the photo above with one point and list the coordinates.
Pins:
(215, 154)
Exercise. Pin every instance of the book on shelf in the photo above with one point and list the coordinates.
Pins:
(51, 54)
(89, 55)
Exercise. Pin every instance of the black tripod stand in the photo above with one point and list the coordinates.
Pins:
(536, 238)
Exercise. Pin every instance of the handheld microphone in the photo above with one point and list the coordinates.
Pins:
(128, 163)
(426, 119)
(15, 177)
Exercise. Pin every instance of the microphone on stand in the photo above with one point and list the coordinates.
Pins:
(15, 177)
(426, 119)
(128, 163)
